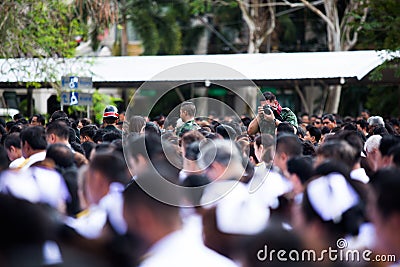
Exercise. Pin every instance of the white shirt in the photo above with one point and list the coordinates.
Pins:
(33, 159)
(16, 163)
(267, 185)
(180, 250)
(91, 224)
(36, 184)
(359, 175)
(237, 211)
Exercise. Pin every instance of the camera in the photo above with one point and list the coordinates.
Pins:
(267, 109)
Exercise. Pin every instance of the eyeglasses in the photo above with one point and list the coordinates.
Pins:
(317, 122)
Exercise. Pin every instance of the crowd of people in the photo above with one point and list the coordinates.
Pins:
(74, 193)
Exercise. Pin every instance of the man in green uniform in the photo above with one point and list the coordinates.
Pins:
(270, 115)
(187, 113)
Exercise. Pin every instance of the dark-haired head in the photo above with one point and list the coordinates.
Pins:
(331, 200)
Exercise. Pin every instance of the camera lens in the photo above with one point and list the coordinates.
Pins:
(267, 110)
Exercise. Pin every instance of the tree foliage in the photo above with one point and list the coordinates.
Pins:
(158, 24)
(96, 15)
(38, 29)
(381, 31)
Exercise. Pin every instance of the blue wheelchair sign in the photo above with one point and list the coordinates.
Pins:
(73, 82)
(73, 98)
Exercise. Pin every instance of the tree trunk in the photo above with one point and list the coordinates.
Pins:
(124, 33)
(332, 105)
(29, 100)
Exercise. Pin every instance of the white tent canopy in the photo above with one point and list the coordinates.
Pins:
(275, 66)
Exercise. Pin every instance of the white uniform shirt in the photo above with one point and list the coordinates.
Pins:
(359, 175)
(40, 156)
(267, 185)
(36, 184)
(16, 163)
(179, 250)
(91, 224)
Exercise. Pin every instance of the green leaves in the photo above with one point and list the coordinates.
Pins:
(41, 29)
(382, 27)
(160, 24)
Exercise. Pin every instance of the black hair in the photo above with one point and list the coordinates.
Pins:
(77, 148)
(380, 130)
(24, 230)
(12, 139)
(330, 117)
(246, 121)
(58, 128)
(17, 116)
(16, 128)
(111, 136)
(135, 196)
(314, 131)
(109, 120)
(89, 131)
(159, 119)
(285, 127)
(386, 184)
(302, 166)
(192, 151)
(118, 146)
(35, 137)
(269, 96)
(390, 128)
(363, 124)
(308, 148)
(73, 136)
(349, 126)
(98, 136)
(300, 132)
(112, 166)
(190, 137)
(152, 128)
(195, 180)
(59, 115)
(289, 144)
(149, 146)
(61, 154)
(85, 122)
(40, 119)
(4, 160)
(226, 131)
(87, 148)
(394, 152)
(387, 142)
(339, 150)
(325, 130)
(354, 140)
(10, 124)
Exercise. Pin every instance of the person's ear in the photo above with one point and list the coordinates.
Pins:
(51, 138)
(12, 149)
(261, 148)
(283, 156)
